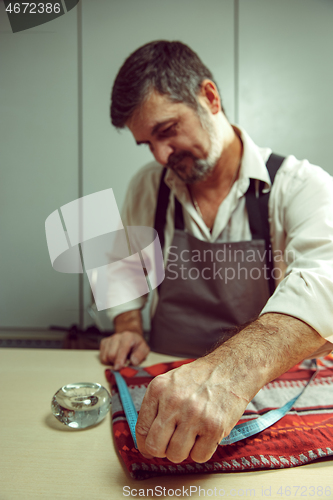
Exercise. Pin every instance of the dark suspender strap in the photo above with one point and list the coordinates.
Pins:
(253, 212)
(257, 209)
(161, 208)
(179, 217)
(273, 164)
(161, 211)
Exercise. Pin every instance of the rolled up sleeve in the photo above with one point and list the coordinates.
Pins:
(301, 220)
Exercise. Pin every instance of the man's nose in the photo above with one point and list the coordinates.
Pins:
(161, 152)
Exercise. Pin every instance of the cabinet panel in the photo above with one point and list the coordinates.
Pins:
(286, 76)
(39, 167)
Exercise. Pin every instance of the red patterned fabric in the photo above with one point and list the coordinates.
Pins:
(302, 436)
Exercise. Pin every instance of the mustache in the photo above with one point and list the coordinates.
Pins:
(175, 158)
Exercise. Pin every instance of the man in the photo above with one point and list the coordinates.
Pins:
(168, 100)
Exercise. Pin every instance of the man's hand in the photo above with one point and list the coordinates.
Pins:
(117, 348)
(126, 343)
(187, 411)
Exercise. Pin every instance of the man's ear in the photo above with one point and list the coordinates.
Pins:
(210, 96)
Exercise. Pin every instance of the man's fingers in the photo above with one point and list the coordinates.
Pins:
(124, 348)
(147, 415)
(139, 353)
(108, 349)
(203, 449)
(117, 348)
(159, 436)
(184, 435)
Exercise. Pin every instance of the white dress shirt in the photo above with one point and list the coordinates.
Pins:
(301, 225)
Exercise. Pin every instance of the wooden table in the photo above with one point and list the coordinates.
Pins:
(41, 458)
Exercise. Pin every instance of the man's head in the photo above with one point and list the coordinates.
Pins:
(170, 68)
(167, 97)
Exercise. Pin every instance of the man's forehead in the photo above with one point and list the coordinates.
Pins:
(146, 128)
(154, 113)
(157, 110)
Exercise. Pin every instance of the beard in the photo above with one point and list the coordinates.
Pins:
(200, 168)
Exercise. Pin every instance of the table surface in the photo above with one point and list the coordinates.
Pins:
(41, 458)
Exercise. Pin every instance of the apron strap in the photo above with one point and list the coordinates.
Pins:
(273, 164)
(161, 210)
(257, 209)
(179, 217)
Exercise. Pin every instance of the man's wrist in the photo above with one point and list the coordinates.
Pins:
(129, 321)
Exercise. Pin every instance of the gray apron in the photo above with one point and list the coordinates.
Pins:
(211, 288)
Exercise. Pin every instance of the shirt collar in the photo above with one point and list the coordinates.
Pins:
(254, 159)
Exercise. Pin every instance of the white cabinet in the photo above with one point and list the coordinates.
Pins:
(286, 76)
(39, 168)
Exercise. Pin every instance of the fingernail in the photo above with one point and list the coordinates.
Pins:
(116, 366)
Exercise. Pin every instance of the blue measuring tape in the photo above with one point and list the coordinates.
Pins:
(240, 431)
(128, 405)
(247, 429)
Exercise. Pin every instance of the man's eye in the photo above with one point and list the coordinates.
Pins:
(169, 129)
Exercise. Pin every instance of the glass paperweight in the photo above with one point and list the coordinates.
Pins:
(81, 405)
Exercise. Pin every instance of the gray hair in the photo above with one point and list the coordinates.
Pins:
(170, 68)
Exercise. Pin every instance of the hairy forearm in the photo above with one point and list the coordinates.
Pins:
(129, 321)
(264, 350)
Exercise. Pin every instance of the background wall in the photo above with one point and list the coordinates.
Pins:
(272, 61)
